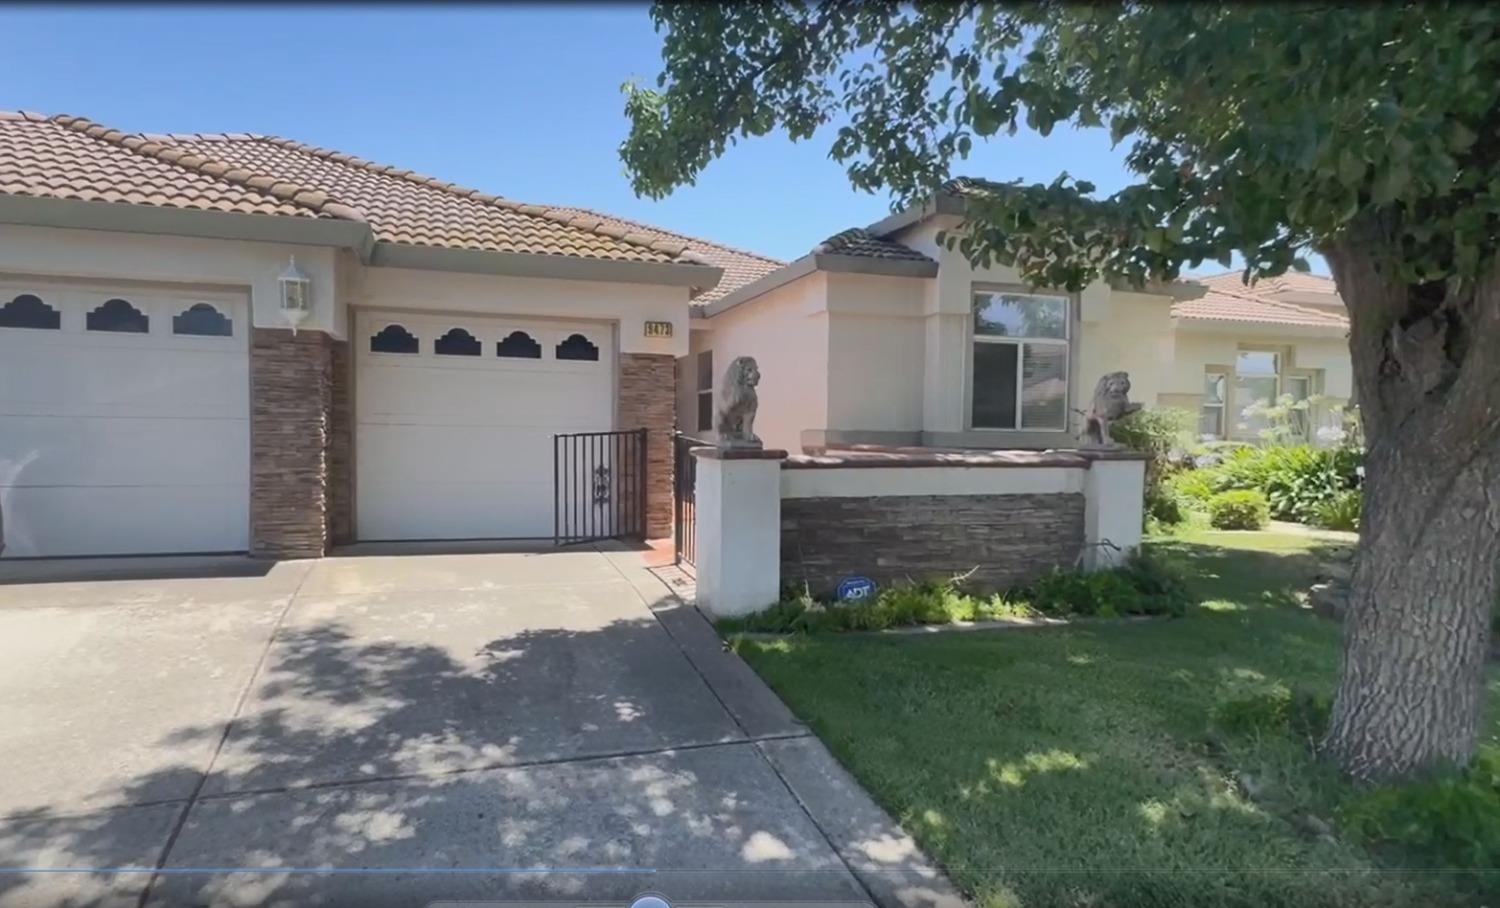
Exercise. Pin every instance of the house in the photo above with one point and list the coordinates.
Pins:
(1285, 336)
(216, 343)
(883, 336)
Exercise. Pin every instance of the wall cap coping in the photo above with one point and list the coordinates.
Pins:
(711, 453)
(871, 456)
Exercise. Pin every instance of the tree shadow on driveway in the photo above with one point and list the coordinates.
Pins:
(367, 769)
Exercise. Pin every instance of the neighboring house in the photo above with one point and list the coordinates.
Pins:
(883, 336)
(1239, 344)
(153, 400)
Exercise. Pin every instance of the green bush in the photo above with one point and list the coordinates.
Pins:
(1341, 512)
(1157, 434)
(1297, 480)
(1241, 509)
(1450, 820)
(1142, 586)
(1193, 487)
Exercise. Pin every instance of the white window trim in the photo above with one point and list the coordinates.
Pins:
(972, 337)
(1223, 405)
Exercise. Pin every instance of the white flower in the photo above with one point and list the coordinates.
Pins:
(1331, 435)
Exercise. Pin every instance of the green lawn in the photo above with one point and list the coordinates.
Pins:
(1072, 767)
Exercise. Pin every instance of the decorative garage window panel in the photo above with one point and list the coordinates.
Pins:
(519, 345)
(394, 339)
(202, 320)
(29, 311)
(577, 347)
(457, 342)
(119, 316)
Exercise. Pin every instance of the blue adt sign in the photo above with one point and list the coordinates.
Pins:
(855, 588)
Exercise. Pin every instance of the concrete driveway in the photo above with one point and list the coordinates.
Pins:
(394, 730)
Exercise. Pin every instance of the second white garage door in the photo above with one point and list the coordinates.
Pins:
(455, 417)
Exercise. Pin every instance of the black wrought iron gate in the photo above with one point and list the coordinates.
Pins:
(599, 486)
(684, 498)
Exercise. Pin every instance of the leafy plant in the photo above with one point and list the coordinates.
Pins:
(1240, 509)
(1341, 512)
(1157, 433)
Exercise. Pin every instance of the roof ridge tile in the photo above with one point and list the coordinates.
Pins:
(162, 149)
(539, 211)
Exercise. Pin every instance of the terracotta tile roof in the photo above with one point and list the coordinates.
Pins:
(860, 242)
(740, 267)
(71, 158)
(1291, 282)
(1228, 299)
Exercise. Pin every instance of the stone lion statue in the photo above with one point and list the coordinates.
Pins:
(737, 404)
(1111, 403)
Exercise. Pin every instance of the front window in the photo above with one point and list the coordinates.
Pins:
(1211, 413)
(1020, 369)
(1257, 380)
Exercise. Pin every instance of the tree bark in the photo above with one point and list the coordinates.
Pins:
(1411, 693)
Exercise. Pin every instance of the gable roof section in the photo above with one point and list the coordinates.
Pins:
(71, 159)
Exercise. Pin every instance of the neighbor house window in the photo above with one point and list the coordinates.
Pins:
(705, 388)
(1211, 413)
(1020, 373)
(1257, 380)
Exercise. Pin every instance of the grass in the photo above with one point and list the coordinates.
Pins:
(1077, 767)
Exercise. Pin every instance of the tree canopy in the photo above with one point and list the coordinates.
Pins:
(1258, 128)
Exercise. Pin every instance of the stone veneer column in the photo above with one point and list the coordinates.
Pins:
(291, 401)
(341, 447)
(648, 399)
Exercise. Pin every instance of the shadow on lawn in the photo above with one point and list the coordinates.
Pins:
(1248, 577)
(333, 707)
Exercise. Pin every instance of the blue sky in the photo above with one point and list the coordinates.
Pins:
(520, 101)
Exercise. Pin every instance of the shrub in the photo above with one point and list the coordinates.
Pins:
(1193, 487)
(1165, 506)
(1158, 434)
(1297, 480)
(1241, 509)
(1163, 588)
(1341, 512)
(1142, 586)
(1450, 820)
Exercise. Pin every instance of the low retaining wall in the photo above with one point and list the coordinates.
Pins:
(1006, 517)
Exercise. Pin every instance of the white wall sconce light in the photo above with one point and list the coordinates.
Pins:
(296, 295)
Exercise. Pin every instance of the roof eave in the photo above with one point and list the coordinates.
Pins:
(1264, 327)
(536, 265)
(124, 217)
(818, 261)
(935, 204)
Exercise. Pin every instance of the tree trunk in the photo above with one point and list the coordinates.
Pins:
(1411, 694)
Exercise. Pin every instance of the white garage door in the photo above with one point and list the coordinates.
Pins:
(124, 420)
(455, 418)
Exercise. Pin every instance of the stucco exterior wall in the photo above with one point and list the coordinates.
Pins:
(238, 264)
(787, 331)
(876, 348)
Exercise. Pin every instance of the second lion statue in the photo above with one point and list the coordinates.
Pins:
(737, 404)
(1111, 403)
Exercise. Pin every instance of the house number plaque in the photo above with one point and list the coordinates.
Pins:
(658, 329)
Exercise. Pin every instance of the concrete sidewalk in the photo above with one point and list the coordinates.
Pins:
(398, 729)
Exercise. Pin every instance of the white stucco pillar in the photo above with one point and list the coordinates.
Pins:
(1114, 489)
(738, 503)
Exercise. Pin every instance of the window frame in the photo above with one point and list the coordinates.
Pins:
(972, 337)
(1224, 375)
(700, 390)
